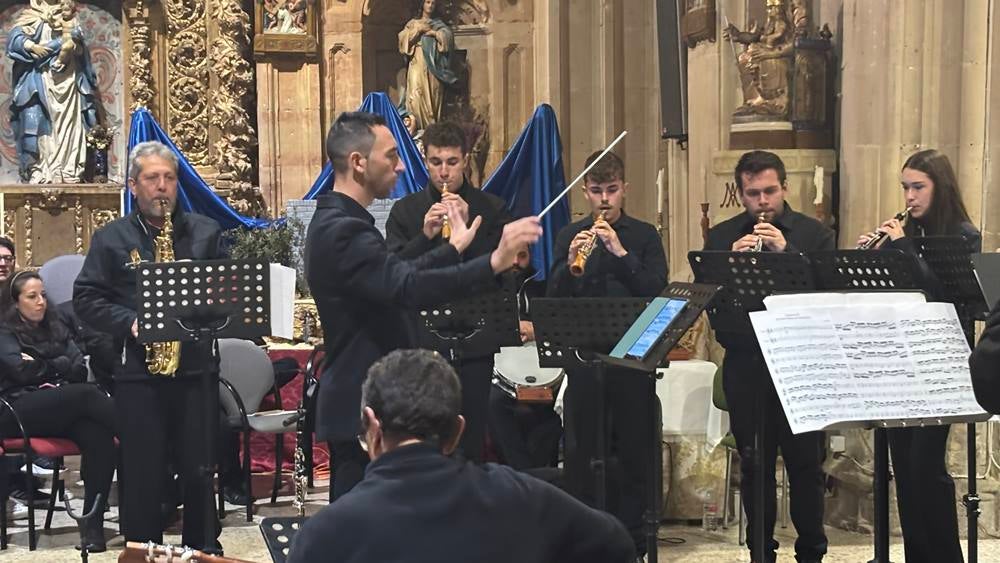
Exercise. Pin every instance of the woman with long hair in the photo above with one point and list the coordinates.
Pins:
(43, 376)
(925, 491)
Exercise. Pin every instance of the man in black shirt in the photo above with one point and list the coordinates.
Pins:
(985, 364)
(365, 294)
(760, 183)
(154, 411)
(417, 504)
(627, 261)
(414, 227)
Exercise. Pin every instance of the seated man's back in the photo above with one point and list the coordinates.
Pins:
(415, 504)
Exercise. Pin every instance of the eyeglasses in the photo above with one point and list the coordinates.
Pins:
(8, 258)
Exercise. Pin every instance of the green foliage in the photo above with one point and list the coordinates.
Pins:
(280, 243)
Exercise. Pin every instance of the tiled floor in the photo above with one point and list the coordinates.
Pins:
(687, 544)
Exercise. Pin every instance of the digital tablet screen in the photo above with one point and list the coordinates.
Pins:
(656, 329)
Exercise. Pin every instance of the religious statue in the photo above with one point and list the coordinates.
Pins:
(285, 16)
(765, 62)
(54, 102)
(427, 42)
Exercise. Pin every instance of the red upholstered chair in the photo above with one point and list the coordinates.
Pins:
(28, 448)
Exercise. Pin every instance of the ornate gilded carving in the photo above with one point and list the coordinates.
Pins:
(78, 225)
(187, 77)
(101, 217)
(228, 112)
(51, 201)
(9, 219)
(27, 232)
(140, 73)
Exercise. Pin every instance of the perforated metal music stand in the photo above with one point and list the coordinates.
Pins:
(950, 258)
(204, 300)
(747, 278)
(472, 327)
(574, 333)
(882, 270)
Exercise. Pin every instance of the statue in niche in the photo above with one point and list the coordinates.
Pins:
(427, 43)
(285, 16)
(764, 63)
(54, 102)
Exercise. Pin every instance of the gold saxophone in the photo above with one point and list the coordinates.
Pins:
(580, 262)
(445, 225)
(163, 358)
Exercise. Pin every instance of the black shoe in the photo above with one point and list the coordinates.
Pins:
(236, 495)
(41, 500)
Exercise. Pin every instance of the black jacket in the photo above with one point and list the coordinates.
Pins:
(56, 358)
(365, 296)
(802, 234)
(104, 294)
(416, 505)
(404, 228)
(98, 346)
(985, 365)
(642, 272)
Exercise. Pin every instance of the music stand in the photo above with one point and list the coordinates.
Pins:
(747, 278)
(203, 300)
(473, 327)
(950, 258)
(576, 333)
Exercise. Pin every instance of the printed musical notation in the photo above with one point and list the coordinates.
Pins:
(857, 363)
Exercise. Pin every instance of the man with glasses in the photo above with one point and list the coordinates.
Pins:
(627, 260)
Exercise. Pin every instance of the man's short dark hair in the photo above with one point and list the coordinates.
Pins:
(755, 162)
(415, 394)
(609, 169)
(445, 134)
(8, 244)
(351, 132)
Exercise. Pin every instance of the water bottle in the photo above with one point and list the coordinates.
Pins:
(709, 511)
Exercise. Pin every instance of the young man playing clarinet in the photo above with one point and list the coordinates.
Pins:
(624, 258)
(773, 225)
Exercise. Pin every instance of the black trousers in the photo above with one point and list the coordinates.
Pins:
(347, 466)
(627, 409)
(476, 375)
(527, 434)
(925, 495)
(744, 375)
(81, 413)
(157, 415)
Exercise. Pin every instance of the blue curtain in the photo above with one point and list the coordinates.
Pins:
(193, 193)
(530, 176)
(411, 181)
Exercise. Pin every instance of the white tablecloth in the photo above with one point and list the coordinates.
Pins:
(685, 393)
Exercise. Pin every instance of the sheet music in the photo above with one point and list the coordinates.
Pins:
(857, 363)
(832, 299)
(282, 300)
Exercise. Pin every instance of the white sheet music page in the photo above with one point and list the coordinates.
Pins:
(864, 362)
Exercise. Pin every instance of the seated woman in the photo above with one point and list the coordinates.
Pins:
(42, 374)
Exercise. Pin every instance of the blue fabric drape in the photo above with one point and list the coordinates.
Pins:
(193, 194)
(412, 180)
(530, 176)
(527, 179)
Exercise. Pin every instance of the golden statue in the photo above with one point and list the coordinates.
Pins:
(765, 62)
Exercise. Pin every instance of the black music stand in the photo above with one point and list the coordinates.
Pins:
(950, 258)
(747, 278)
(471, 327)
(871, 270)
(198, 301)
(572, 332)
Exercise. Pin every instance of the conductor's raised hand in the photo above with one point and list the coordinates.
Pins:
(516, 237)
(459, 204)
(461, 234)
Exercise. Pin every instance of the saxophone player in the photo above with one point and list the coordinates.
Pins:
(156, 413)
(627, 260)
